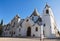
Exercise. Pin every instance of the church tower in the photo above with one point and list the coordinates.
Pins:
(49, 24)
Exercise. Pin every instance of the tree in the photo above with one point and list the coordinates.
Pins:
(1, 22)
(1, 25)
(0, 29)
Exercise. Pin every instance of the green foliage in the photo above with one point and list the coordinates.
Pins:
(1, 25)
(1, 22)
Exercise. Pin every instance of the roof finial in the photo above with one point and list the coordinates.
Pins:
(35, 9)
(35, 13)
(47, 5)
(17, 15)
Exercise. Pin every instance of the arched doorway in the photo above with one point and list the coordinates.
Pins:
(29, 31)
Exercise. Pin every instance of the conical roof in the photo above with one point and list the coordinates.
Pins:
(47, 5)
(35, 13)
(17, 16)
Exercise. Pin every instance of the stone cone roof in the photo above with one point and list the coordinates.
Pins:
(47, 5)
(17, 16)
(35, 13)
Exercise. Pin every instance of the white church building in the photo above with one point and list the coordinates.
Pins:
(33, 26)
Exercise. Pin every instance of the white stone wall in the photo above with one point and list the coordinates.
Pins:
(25, 26)
(20, 26)
(34, 32)
(48, 20)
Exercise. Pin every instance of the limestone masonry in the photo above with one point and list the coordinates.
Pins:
(33, 26)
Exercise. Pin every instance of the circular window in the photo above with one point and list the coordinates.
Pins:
(27, 20)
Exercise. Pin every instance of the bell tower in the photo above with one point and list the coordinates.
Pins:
(49, 24)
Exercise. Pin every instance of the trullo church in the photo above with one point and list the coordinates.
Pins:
(33, 26)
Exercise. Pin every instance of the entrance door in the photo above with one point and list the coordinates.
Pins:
(29, 31)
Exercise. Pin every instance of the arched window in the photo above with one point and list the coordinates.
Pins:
(47, 11)
(44, 25)
(19, 29)
(13, 32)
(36, 28)
(33, 35)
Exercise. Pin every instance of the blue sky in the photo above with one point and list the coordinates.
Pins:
(9, 8)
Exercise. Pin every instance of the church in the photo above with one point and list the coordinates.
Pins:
(33, 26)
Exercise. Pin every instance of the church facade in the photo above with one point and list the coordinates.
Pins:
(33, 26)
